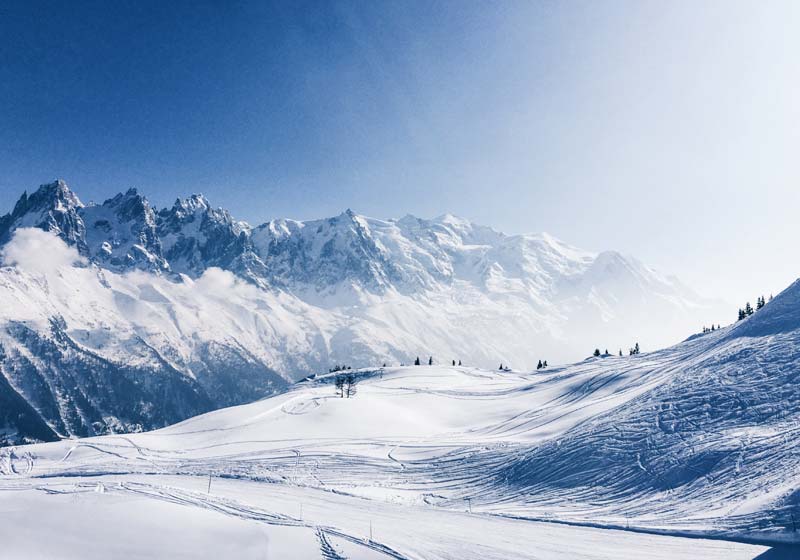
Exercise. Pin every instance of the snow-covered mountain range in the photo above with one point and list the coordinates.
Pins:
(119, 316)
(435, 462)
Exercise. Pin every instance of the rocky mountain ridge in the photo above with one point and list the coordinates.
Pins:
(185, 309)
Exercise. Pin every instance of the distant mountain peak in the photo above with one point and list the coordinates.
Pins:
(409, 254)
(294, 298)
(453, 220)
(54, 196)
(121, 233)
(192, 204)
(412, 255)
(52, 207)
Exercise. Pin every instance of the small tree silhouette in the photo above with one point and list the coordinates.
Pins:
(350, 386)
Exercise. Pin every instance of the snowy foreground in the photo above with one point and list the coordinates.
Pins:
(126, 516)
(675, 454)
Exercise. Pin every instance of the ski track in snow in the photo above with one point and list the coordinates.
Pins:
(702, 440)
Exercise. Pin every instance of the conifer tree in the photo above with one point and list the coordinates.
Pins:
(748, 309)
(596, 352)
(416, 362)
(430, 361)
(539, 365)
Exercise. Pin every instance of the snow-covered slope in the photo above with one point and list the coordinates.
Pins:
(172, 312)
(698, 439)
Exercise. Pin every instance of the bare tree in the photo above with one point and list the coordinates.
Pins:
(350, 386)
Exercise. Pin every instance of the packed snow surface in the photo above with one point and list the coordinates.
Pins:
(672, 454)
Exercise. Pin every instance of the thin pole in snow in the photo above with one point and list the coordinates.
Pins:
(209, 484)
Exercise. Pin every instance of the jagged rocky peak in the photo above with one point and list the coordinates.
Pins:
(195, 236)
(349, 227)
(351, 251)
(185, 208)
(197, 208)
(410, 255)
(53, 207)
(130, 205)
(54, 196)
(121, 233)
(324, 253)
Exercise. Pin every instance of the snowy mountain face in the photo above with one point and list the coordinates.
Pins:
(699, 439)
(122, 234)
(119, 316)
(52, 208)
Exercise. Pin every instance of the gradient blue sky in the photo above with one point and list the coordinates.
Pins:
(668, 130)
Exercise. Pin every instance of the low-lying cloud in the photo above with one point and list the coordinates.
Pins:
(38, 251)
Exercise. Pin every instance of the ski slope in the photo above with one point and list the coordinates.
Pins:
(612, 457)
(119, 516)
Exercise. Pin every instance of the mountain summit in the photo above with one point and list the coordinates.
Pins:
(190, 305)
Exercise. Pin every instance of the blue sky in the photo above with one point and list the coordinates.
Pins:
(665, 130)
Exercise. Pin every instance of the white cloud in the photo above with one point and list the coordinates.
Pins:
(38, 251)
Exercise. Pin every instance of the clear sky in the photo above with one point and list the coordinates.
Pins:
(667, 130)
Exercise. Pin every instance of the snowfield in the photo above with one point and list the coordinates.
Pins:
(671, 454)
